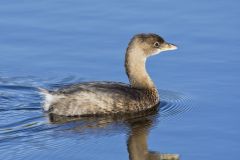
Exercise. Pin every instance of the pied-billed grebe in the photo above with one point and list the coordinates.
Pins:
(91, 98)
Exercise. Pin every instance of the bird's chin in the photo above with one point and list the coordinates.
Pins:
(156, 52)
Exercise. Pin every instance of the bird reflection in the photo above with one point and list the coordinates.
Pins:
(137, 142)
(137, 127)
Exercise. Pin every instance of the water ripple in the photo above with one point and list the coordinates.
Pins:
(173, 104)
(22, 118)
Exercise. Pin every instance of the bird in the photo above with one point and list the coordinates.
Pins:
(106, 97)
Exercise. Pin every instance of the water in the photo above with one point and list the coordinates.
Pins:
(53, 43)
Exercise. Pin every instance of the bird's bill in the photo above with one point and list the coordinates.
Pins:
(168, 46)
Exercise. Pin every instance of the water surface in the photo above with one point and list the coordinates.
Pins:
(54, 43)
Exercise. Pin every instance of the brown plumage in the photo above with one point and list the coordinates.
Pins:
(91, 98)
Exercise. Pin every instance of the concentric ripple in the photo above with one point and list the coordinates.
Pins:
(173, 104)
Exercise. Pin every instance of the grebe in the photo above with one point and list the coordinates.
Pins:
(96, 98)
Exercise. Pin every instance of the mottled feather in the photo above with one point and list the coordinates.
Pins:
(101, 98)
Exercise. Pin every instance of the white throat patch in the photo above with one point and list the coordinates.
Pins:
(157, 52)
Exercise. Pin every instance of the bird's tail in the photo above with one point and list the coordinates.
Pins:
(48, 98)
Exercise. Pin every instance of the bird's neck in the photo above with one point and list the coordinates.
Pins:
(135, 62)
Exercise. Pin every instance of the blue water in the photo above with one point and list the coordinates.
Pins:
(52, 43)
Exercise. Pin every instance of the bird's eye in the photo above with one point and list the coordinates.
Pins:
(156, 44)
